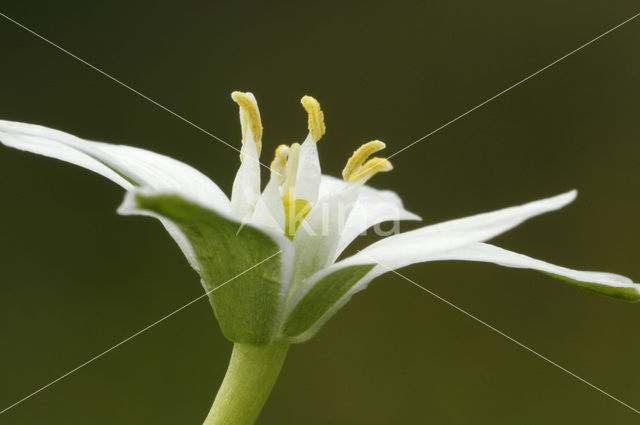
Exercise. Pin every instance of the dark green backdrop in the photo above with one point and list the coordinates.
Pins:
(75, 278)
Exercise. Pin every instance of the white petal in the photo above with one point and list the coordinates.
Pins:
(414, 246)
(317, 237)
(125, 165)
(607, 283)
(269, 211)
(246, 186)
(422, 245)
(374, 206)
(308, 177)
(330, 184)
(343, 212)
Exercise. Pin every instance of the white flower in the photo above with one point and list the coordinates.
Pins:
(303, 217)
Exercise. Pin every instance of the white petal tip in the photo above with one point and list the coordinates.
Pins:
(572, 195)
(412, 216)
(129, 205)
(564, 199)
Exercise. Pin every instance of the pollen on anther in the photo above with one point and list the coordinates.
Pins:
(357, 169)
(316, 117)
(279, 163)
(249, 117)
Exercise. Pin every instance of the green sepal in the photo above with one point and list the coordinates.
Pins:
(249, 305)
(321, 299)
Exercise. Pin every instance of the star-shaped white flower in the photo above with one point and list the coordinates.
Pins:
(302, 219)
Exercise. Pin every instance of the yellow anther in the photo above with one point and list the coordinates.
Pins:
(279, 163)
(357, 169)
(370, 168)
(249, 117)
(316, 117)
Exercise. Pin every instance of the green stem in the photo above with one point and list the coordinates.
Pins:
(251, 374)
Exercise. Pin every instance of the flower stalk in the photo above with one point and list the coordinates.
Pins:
(252, 372)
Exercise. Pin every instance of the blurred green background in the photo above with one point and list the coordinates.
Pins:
(76, 278)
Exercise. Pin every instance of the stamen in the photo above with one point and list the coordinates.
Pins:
(357, 169)
(289, 189)
(295, 210)
(279, 163)
(316, 117)
(249, 118)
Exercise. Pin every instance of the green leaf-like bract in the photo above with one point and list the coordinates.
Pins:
(321, 298)
(248, 306)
